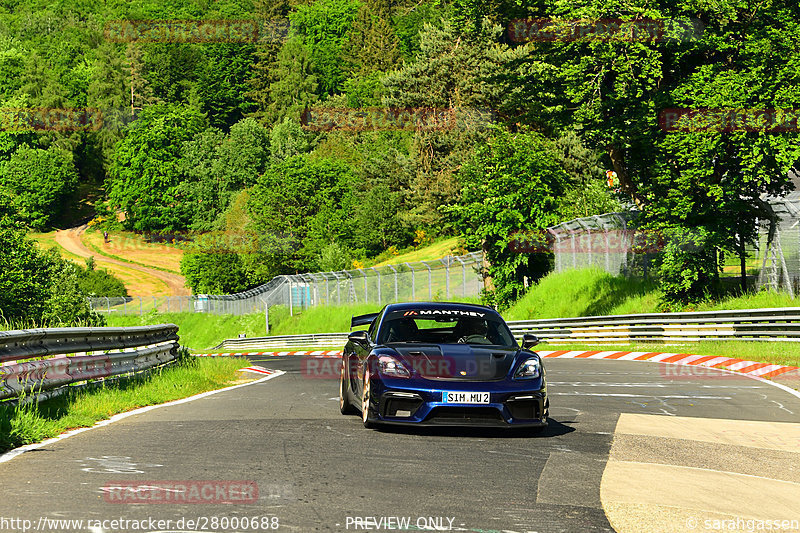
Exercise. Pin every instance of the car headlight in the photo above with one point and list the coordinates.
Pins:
(529, 369)
(389, 366)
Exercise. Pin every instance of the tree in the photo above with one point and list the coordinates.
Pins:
(706, 184)
(39, 288)
(323, 27)
(298, 207)
(145, 169)
(40, 182)
(23, 275)
(295, 85)
(214, 167)
(371, 43)
(271, 15)
(201, 184)
(223, 83)
(287, 139)
(512, 185)
(450, 73)
(110, 92)
(213, 272)
(141, 91)
(587, 193)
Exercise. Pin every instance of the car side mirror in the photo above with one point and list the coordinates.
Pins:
(359, 337)
(529, 341)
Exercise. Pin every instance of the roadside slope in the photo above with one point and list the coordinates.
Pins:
(70, 240)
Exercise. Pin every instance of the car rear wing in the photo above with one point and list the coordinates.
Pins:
(362, 320)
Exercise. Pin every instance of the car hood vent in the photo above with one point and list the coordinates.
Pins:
(458, 362)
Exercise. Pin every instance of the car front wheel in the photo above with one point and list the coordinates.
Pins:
(366, 400)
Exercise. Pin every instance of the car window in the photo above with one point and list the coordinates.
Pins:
(373, 327)
(487, 329)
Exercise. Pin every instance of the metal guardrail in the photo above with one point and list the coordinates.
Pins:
(778, 324)
(40, 361)
(316, 340)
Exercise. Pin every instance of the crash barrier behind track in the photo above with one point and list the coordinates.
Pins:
(36, 362)
(315, 340)
(780, 324)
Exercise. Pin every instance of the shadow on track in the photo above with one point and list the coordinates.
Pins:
(554, 429)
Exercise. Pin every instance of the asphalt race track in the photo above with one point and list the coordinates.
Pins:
(686, 449)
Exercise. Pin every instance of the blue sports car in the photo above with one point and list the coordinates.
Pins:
(444, 364)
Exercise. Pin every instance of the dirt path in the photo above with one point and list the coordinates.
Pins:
(70, 240)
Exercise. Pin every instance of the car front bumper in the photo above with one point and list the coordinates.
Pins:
(418, 402)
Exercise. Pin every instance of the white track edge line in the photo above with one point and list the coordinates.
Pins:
(120, 416)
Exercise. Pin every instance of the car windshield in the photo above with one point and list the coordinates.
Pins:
(448, 327)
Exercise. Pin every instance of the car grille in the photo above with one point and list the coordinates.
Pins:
(391, 406)
(525, 409)
(465, 415)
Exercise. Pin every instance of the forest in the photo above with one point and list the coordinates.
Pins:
(310, 135)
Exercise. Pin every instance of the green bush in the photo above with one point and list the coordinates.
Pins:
(94, 282)
(39, 288)
(40, 182)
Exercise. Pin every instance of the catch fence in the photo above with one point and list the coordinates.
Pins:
(452, 277)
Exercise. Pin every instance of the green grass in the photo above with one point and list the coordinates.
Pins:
(34, 422)
(198, 331)
(757, 300)
(591, 292)
(776, 353)
(100, 252)
(435, 250)
(202, 331)
(584, 293)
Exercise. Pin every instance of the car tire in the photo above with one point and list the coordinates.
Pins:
(345, 407)
(366, 391)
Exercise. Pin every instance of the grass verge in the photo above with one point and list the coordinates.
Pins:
(149, 255)
(776, 353)
(431, 252)
(34, 422)
(202, 331)
(593, 292)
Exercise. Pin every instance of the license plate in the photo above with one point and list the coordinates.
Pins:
(465, 397)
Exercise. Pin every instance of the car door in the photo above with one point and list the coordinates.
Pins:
(362, 353)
